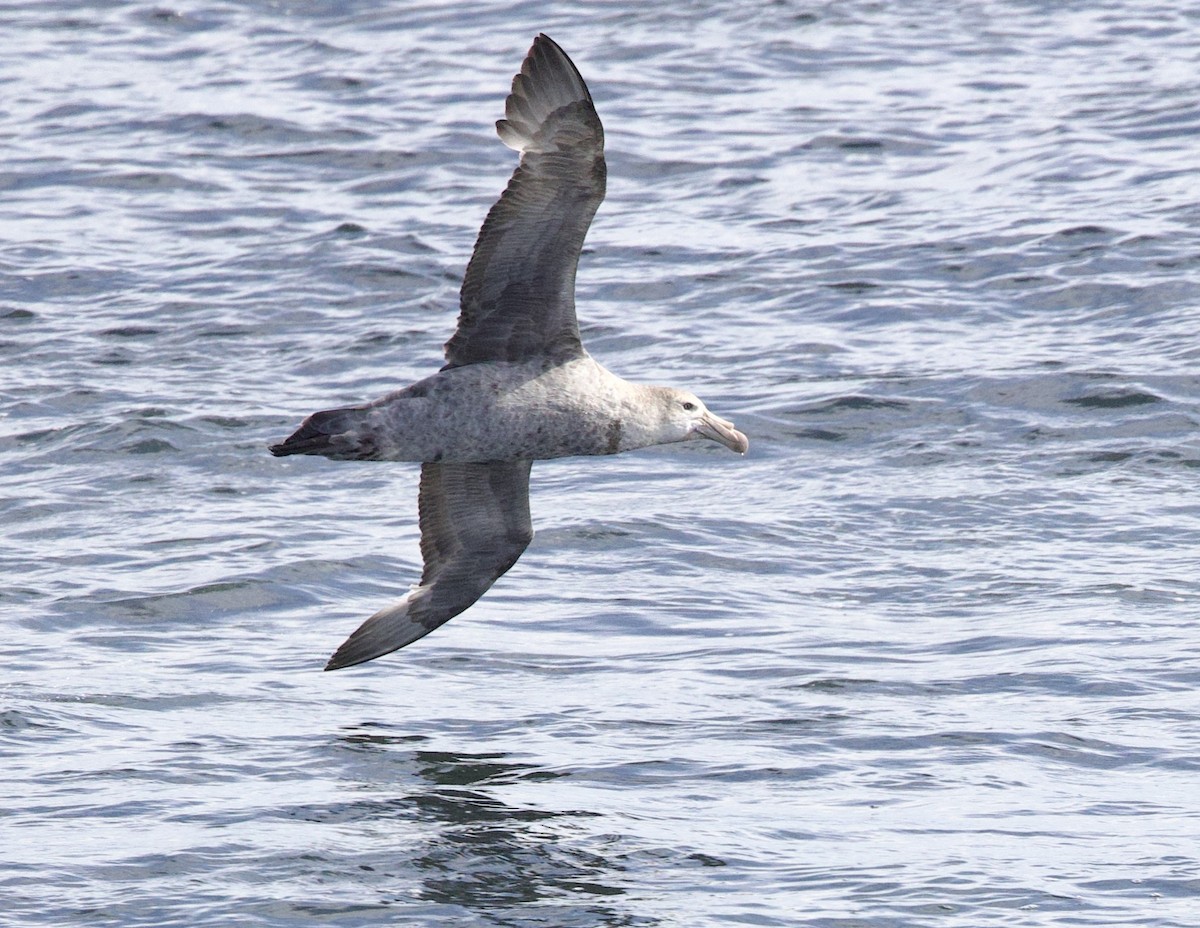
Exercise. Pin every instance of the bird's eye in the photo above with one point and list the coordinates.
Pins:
(689, 406)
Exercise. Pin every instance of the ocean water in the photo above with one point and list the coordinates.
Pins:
(926, 656)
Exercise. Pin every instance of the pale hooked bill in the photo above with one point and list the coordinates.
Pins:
(517, 385)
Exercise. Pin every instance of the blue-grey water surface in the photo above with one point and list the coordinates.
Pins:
(927, 656)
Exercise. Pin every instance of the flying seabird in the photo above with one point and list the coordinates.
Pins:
(517, 385)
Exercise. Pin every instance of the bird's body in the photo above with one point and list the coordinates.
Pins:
(528, 410)
(518, 385)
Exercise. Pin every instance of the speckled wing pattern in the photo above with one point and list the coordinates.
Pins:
(474, 525)
(518, 295)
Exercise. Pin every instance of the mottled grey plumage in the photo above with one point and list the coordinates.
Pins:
(517, 385)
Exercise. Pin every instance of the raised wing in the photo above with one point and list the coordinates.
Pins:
(518, 295)
(474, 525)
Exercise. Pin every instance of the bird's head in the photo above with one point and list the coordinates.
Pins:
(685, 418)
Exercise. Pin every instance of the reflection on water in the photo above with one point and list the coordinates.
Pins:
(474, 850)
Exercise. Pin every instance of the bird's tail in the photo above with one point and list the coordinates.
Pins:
(333, 433)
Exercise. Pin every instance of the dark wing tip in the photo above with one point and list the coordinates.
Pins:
(341, 659)
(547, 83)
(388, 630)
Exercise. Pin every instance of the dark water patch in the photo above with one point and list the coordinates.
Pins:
(461, 807)
(1079, 751)
(844, 143)
(1059, 683)
(1085, 230)
(129, 331)
(26, 723)
(860, 144)
(150, 181)
(856, 402)
(1183, 886)
(45, 437)
(205, 604)
(449, 769)
(149, 446)
(1113, 400)
(356, 158)
(854, 286)
(818, 435)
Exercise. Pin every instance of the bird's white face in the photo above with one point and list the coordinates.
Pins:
(690, 419)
